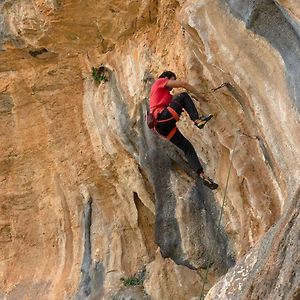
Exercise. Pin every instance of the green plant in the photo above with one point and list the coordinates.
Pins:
(98, 74)
(132, 281)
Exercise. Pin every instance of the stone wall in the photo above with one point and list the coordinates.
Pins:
(90, 197)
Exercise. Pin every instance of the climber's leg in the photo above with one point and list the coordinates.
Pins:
(185, 145)
(184, 101)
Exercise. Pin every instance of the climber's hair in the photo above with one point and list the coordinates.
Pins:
(167, 74)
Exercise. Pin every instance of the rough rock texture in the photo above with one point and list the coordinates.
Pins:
(283, 263)
(89, 195)
(175, 279)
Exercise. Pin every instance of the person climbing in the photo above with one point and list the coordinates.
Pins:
(166, 110)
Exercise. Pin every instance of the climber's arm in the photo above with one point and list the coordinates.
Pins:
(187, 86)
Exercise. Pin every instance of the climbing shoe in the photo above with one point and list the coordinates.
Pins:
(203, 121)
(209, 183)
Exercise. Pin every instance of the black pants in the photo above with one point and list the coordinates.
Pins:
(178, 103)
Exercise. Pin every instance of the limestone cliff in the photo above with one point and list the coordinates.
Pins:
(94, 205)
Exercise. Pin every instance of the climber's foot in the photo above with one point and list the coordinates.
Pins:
(202, 121)
(206, 265)
(208, 182)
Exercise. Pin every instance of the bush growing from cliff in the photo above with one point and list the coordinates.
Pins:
(137, 279)
(132, 281)
(99, 74)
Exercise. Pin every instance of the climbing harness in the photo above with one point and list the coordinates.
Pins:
(173, 113)
(175, 116)
(220, 218)
(152, 121)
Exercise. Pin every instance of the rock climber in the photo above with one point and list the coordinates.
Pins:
(166, 110)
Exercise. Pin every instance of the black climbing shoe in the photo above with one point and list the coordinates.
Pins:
(209, 183)
(206, 266)
(204, 120)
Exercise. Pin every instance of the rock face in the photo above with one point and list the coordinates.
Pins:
(94, 205)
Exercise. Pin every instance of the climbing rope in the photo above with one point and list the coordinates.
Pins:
(222, 85)
(218, 103)
(220, 217)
